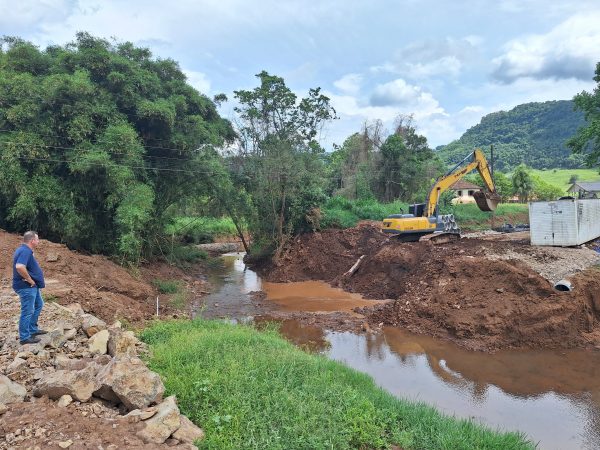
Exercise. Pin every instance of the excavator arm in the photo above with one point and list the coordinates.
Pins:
(487, 201)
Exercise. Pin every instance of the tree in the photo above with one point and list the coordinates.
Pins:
(545, 191)
(100, 142)
(587, 140)
(279, 158)
(522, 183)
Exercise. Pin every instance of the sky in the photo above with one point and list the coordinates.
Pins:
(447, 63)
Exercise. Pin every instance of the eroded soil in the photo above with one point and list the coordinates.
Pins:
(485, 293)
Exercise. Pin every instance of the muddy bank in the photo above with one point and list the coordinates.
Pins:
(485, 294)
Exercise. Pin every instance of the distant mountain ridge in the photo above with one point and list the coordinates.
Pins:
(532, 133)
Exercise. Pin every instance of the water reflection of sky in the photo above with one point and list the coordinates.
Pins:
(556, 420)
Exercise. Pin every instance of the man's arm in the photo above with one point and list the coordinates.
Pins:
(22, 269)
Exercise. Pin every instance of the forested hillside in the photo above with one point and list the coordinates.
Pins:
(533, 133)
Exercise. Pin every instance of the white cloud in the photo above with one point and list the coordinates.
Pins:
(349, 83)
(198, 80)
(405, 96)
(570, 50)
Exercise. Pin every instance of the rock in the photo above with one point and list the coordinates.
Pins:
(98, 343)
(54, 339)
(11, 392)
(79, 384)
(16, 365)
(121, 342)
(117, 324)
(65, 444)
(137, 415)
(70, 333)
(25, 355)
(61, 361)
(52, 257)
(3, 408)
(128, 379)
(64, 401)
(158, 428)
(75, 308)
(91, 324)
(188, 432)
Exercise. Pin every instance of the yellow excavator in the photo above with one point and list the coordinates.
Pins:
(424, 219)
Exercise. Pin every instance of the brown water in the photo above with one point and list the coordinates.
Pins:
(553, 396)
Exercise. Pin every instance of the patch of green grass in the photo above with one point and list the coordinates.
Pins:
(339, 212)
(166, 286)
(183, 256)
(253, 389)
(560, 177)
(200, 230)
(470, 212)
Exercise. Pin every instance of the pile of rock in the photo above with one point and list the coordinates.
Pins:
(84, 362)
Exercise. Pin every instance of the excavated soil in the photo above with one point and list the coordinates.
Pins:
(483, 293)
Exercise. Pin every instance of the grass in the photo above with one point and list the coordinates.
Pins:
(560, 177)
(470, 217)
(252, 389)
(340, 212)
(166, 286)
(200, 230)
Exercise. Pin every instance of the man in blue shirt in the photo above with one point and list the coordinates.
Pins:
(28, 279)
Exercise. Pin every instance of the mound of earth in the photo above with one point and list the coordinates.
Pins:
(485, 294)
(102, 287)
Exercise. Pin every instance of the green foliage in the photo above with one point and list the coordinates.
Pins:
(251, 389)
(534, 134)
(586, 142)
(545, 191)
(278, 161)
(184, 256)
(339, 212)
(166, 286)
(522, 183)
(470, 217)
(200, 230)
(99, 142)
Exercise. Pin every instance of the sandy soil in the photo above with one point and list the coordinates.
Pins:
(485, 293)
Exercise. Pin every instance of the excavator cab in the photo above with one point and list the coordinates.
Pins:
(424, 218)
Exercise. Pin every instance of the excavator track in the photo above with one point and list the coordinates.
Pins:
(441, 238)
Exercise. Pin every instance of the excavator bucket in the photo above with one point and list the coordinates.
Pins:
(487, 201)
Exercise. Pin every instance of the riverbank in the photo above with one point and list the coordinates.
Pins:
(252, 389)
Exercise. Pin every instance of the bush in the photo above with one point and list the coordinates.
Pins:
(200, 230)
(339, 212)
(166, 286)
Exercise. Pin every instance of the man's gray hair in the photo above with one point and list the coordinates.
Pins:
(29, 236)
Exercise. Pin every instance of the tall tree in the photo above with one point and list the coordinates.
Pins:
(587, 139)
(522, 183)
(278, 157)
(99, 141)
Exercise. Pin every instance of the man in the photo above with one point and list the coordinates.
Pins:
(28, 279)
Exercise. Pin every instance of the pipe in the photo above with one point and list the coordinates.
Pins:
(563, 286)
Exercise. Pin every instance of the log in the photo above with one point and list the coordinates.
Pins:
(354, 268)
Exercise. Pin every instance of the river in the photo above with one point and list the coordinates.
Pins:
(553, 396)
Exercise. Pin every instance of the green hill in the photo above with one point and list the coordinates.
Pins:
(532, 133)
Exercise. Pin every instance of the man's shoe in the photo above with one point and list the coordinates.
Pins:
(38, 332)
(31, 340)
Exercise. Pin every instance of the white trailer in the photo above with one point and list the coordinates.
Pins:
(564, 223)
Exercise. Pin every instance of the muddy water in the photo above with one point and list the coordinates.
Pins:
(552, 396)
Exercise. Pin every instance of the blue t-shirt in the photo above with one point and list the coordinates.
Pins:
(24, 255)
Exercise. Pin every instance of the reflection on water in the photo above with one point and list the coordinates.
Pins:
(553, 395)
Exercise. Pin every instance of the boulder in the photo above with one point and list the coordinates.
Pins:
(121, 342)
(75, 308)
(79, 384)
(128, 379)
(54, 339)
(158, 428)
(91, 324)
(137, 415)
(16, 365)
(11, 392)
(3, 408)
(98, 343)
(188, 432)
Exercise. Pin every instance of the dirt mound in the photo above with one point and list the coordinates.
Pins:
(324, 255)
(460, 291)
(102, 287)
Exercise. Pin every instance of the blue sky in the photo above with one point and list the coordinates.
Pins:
(446, 62)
